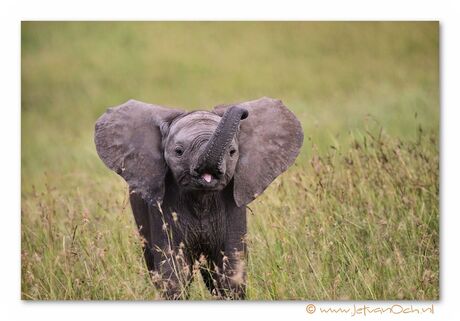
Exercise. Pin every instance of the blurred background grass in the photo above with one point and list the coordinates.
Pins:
(340, 79)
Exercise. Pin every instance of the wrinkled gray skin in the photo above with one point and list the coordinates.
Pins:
(190, 177)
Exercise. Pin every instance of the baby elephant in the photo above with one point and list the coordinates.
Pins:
(190, 177)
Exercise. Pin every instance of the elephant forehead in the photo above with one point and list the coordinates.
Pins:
(195, 123)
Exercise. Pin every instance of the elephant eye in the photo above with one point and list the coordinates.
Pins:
(232, 151)
(179, 151)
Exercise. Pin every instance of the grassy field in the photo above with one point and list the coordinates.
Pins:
(357, 216)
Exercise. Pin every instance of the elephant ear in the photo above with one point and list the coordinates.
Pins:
(128, 139)
(269, 141)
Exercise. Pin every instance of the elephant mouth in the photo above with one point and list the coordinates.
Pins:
(207, 177)
(206, 181)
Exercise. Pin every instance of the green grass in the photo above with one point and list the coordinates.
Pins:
(357, 216)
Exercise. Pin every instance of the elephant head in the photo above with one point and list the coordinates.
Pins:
(250, 143)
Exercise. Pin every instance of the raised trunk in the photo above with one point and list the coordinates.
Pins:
(212, 157)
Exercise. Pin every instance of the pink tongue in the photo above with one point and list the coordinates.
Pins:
(207, 177)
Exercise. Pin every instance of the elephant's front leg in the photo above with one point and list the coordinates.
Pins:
(166, 262)
(231, 265)
(172, 274)
(231, 276)
(225, 277)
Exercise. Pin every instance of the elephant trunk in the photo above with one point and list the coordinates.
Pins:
(211, 159)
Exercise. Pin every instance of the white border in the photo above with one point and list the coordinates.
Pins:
(12, 12)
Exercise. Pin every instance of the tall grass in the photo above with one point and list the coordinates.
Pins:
(359, 222)
(356, 217)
